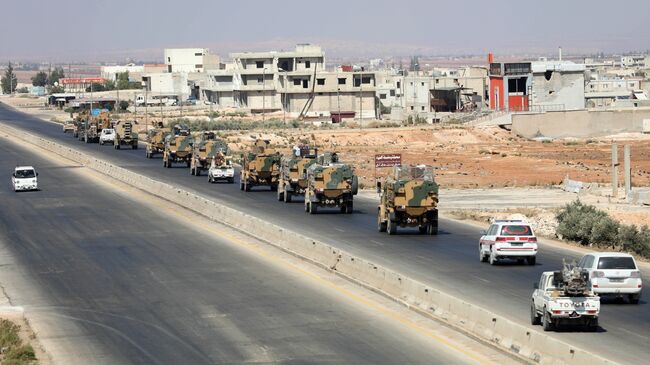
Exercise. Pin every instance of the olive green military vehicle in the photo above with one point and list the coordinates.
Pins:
(409, 198)
(293, 172)
(178, 146)
(156, 140)
(204, 150)
(330, 184)
(126, 134)
(260, 167)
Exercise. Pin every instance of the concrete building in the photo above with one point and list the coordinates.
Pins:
(537, 86)
(604, 92)
(111, 72)
(191, 60)
(635, 61)
(295, 82)
(167, 84)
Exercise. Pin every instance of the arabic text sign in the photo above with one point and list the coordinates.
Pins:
(388, 160)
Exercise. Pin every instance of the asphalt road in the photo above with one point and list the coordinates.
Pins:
(145, 288)
(448, 261)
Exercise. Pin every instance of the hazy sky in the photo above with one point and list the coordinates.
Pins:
(95, 29)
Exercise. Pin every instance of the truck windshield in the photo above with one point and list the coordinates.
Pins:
(516, 230)
(25, 174)
(614, 263)
(408, 172)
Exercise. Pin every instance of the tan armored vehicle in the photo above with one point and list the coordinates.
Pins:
(205, 150)
(293, 172)
(330, 184)
(409, 198)
(156, 140)
(92, 127)
(69, 126)
(126, 134)
(178, 147)
(260, 167)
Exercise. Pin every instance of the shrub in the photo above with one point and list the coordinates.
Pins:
(589, 226)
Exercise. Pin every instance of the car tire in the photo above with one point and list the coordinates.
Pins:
(349, 207)
(531, 260)
(432, 228)
(482, 257)
(492, 259)
(535, 319)
(313, 208)
(547, 323)
(634, 298)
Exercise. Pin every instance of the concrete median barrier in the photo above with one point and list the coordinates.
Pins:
(525, 342)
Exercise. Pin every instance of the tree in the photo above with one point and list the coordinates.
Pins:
(40, 79)
(9, 80)
(55, 76)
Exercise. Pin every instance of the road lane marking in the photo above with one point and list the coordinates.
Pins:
(633, 333)
(339, 229)
(481, 279)
(377, 242)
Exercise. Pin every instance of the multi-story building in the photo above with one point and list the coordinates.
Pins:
(602, 92)
(190, 60)
(295, 82)
(111, 72)
(537, 86)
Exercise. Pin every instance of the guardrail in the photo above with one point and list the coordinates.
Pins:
(522, 341)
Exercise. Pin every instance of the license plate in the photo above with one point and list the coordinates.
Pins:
(616, 280)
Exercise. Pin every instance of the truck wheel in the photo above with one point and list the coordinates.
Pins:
(547, 323)
(381, 224)
(531, 260)
(101, 143)
(634, 298)
(147, 154)
(247, 186)
(313, 209)
(534, 317)
(241, 186)
(280, 195)
(231, 180)
(391, 227)
(423, 229)
(197, 171)
(492, 259)
(274, 187)
(117, 147)
(188, 163)
(134, 147)
(433, 226)
(593, 325)
(306, 207)
(349, 207)
(287, 197)
(343, 208)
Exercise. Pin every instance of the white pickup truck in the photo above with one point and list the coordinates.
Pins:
(223, 172)
(553, 308)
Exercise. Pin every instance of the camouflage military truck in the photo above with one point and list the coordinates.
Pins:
(260, 167)
(93, 127)
(156, 140)
(80, 124)
(409, 199)
(293, 172)
(330, 184)
(204, 150)
(178, 147)
(126, 134)
(69, 125)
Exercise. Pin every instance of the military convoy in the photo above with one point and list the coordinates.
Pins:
(92, 127)
(260, 167)
(205, 150)
(293, 172)
(330, 184)
(409, 199)
(126, 134)
(178, 147)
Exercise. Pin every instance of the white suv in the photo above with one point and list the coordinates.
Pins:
(613, 273)
(508, 239)
(24, 178)
(107, 136)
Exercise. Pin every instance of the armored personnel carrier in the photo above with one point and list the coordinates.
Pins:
(409, 199)
(330, 184)
(203, 151)
(293, 172)
(126, 134)
(178, 146)
(260, 167)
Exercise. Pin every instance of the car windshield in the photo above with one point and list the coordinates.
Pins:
(25, 174)
(516, 230)
(613, 263)
(108, 131)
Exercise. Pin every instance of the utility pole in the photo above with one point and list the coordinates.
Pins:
(361, 100)
(338, 96)
(91, 100)
(161, 112)
(118, 93)
(627, 170)
(615, 170)
(146, 110)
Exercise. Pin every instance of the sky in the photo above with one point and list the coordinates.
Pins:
(114, 30)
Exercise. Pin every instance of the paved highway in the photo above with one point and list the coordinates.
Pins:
(146, 288)
(448, 261)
